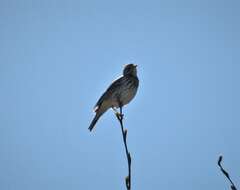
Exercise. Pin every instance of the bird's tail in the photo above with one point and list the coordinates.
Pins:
(94, 121)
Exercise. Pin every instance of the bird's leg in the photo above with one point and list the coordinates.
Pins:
(117, 113)
(115, 110)
(120, 114)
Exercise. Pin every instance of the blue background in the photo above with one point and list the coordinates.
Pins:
(58, 57)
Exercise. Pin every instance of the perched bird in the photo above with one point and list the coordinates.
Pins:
(118, 94)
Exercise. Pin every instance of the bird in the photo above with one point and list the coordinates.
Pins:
(118, 94)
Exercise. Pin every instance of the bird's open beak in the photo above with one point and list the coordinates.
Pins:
(135, 65)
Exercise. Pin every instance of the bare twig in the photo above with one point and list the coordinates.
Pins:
(124, 135)
(233, 187)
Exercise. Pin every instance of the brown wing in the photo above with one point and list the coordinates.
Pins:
(109, 92)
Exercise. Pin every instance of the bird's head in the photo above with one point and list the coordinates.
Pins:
(130, 69)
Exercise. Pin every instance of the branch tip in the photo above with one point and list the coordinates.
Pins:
(233, 187)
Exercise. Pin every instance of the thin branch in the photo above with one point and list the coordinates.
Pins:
(124, 135)
(233, 187)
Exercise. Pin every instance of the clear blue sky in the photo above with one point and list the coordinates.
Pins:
(56, 59)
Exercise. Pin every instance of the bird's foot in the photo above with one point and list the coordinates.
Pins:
(118, 114)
